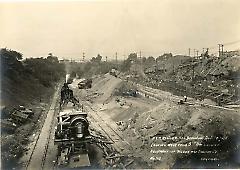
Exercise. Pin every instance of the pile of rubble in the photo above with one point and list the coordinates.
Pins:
(17, 124)
(15, 117)
(110, 158)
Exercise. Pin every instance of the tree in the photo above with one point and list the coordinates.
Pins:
(93, 59)
(10, 62)
(51, 58)
(150, 60)
(14, 55)
(97, 59)
(132, 57)
(144, 59)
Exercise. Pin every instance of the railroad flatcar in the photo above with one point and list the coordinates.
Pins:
(85, 84)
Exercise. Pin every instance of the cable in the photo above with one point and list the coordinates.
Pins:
(233, 42)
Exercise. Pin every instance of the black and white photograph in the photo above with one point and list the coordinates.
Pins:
(119, 84)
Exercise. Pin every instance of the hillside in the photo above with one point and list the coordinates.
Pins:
(28, 80)
(29, 83)
(215, 78)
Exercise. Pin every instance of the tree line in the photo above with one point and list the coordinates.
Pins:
(27, 75)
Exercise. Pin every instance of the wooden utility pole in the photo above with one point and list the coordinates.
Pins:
(189, 52)
(116, 56)
(220, 50)
(140, 55)
(83, 56)
(193, 71)
(192, 63)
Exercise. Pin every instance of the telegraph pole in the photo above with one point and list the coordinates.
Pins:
(193, 71)
(220, 50)
(116, 56)
(192, 63)
(83, 56)
(189, 52)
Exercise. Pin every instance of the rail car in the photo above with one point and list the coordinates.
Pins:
(72, 138)
(85, 84)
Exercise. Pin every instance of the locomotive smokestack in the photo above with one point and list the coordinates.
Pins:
(67, 77)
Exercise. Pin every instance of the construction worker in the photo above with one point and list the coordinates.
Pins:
(183, 101)
(185, 98)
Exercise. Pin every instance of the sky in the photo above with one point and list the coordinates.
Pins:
(69, 28)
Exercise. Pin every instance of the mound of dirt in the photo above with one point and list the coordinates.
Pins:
(171, 135)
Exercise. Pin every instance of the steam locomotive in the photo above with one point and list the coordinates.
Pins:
(72, 135)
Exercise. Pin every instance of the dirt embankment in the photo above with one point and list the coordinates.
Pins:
(170, 123)
(14, 143)
(15, 139)
(30, 83)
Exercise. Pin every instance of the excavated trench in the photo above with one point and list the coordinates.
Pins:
(140, 117)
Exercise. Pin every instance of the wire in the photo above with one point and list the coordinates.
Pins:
(233, 42)
(225, 44)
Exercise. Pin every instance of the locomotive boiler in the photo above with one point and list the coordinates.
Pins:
(72, 138)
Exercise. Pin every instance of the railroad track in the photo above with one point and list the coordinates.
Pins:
(106, 128)
(39, 152)
(154, 93)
